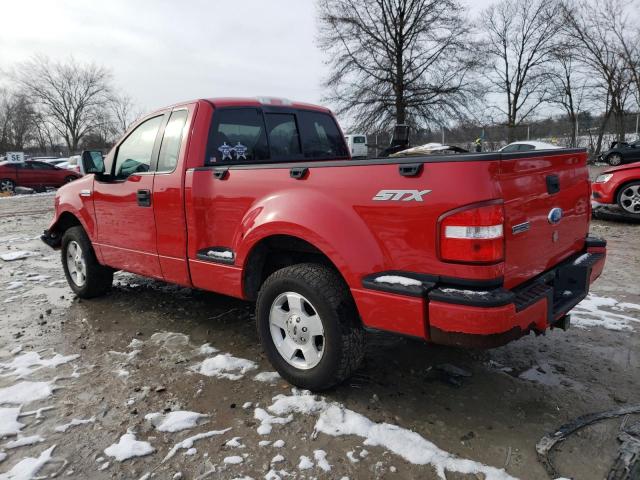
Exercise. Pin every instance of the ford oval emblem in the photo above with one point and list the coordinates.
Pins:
(555, 215)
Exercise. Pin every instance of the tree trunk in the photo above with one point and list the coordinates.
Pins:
(603, 126)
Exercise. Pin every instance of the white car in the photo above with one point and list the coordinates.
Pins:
(357, 144)
(527, 145)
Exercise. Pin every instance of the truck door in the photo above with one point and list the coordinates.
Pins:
(123, 204)
(168, 197)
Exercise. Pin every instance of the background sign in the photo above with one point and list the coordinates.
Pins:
(15, 157)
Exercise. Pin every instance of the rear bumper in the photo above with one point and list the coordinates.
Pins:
(489, 317)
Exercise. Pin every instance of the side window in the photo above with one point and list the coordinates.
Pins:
(171, 141)
(525, 147)
(510, 148)
(237, 135)
(321, 137)
(134, 154)
(359, 139)
(284, 139)
(41, 166)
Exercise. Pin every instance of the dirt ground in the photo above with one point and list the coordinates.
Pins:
(139, 351)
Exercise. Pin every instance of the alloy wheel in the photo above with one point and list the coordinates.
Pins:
(296, 330)
(630, 199)
(76, 263)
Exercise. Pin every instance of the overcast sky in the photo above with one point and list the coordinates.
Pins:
(162, 52)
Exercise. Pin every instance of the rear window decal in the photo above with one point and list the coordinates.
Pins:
(241, 151)
(225, 150)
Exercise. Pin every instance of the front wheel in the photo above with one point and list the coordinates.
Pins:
(308, 326)
(614, 159)
(86, 277)
(7, 185)
(629, 198)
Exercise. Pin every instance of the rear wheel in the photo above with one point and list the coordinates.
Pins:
(307, 324)
(629, 198)
(7, 185)
(86, 277)
(614, 159)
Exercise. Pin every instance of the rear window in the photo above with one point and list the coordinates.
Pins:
(284, 138)
(237, 135)
(249, 135)
(321, 137)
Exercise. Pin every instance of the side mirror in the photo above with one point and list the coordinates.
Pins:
(92, 162)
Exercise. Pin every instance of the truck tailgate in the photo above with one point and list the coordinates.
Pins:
(547, 210)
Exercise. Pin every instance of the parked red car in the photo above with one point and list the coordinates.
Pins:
(33, 174)
(259, 199)
(619, 185)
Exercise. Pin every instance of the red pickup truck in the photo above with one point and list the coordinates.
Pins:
(260, 200)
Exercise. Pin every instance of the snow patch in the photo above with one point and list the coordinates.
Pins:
(225, 366)
(27, 468)
(398, 280)
(267, 420)
(233, 460)
(305, 463)
(23, 441)
(9, 424)
(170, 340)
(25, 392)
(336, 420)
(14, 285)
(174, 421)
(27, 363)
(267, 377)
(74, 423)
(188, 442)
(321, 460)
(206, 349)
(235, 443)
(17, 255)
(128, 447)
(277, 459)
(468, 293)
(220, 254)
(590, 313)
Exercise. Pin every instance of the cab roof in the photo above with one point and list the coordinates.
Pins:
(263, 101)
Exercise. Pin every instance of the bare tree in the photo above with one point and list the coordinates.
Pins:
(402, 61)
(567, 85)
(519, 37)
(16, 120)
(591, 26)
(72, 96)
(630, 43)
(123, 111)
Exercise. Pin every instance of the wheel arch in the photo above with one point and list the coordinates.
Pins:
(277, 251)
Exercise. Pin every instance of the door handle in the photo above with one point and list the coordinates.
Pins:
(144, 197)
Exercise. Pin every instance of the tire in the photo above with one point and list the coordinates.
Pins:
(614, 159)
(341, 343)
(87, 281)
(7, 185)
(628, 198)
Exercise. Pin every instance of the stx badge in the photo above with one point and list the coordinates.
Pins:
(401, 195)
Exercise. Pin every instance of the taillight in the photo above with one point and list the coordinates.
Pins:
(473, 235)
